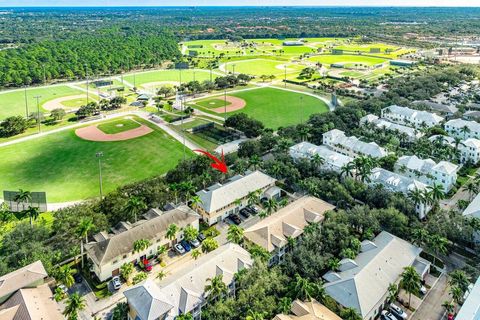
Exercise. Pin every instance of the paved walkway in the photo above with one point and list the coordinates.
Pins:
(431, 307)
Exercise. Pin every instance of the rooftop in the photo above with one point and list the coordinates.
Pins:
(355, 144)
(394, 181)
(473, 209)
(308, 310)
(470, 309)
(420, 116)
(307, 149)
(21, 278)
(460, 123)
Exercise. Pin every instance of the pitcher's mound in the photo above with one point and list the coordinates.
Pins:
(92, 133)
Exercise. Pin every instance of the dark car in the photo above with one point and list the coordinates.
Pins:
(201, 237)
(244, 213)
(78, 277)
(236, 219)
(186, 245)
(253, 210)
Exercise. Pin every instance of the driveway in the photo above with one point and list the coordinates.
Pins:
(431, 308)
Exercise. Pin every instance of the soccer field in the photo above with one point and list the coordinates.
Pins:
(258, 67)
(66, 168)
(186, 75)
(348, 60)
(12, 103)
(276, 107)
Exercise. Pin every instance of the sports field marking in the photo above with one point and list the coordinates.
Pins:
(213, 103)
(235, 104)
(118, 126)
(57, 103)
(93, 133)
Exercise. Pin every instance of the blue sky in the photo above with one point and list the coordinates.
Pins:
(452, 3)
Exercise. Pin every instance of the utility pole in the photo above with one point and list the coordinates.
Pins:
(38, 112)
(233, 67)
(26, 101)
(88, 84)
(99, 155)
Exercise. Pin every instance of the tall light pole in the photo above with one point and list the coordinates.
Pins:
(182, 103)
(26, 101)
(44, 76)
(233, 67)
(225, 106)
(88, 84)
(285, 76)
(99, 156)
(38, 112)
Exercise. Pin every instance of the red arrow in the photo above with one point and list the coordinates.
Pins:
(220, 165)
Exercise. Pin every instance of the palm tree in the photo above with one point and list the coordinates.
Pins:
(472, 189)
(420, 236)
(195, 201)
(347, 170)
(437, 191)
(304, 289)
(161, 275)
(465, 130)
(271, 205)
(334, 264)
(457, 295)
(317, 161)
(437, 244)
(215, 288)
(284, 305)
(24, 197)
(140, 245)
(174, 188)
(188, 189)
(410, 281)
(134, 207)
(172, 231)
(186, 316)
(349, 314)
(458, 278)
(74, 304)
(196, 253)
(416, 196)
(235, 234)
(64, 274)
(32, 213)
(392, 292)
(254, 161)
(253, 197)
(84, 227)
(126, 271)
(209, 245)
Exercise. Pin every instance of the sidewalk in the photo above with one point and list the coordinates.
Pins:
(431, 308)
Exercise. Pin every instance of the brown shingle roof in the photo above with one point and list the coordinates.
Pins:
(22, 278)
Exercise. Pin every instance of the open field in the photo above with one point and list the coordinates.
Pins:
(384, 48)
(213, 103)
(66, 168)
(348, 60)
(187, 75)
(276, 107)
(13, 102)
(258, 67)
(205, 140)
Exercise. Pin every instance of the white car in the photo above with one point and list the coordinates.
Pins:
(423, 290)
(179, 248)
(117, 284)
(195, 243)
(387, 315)
(398, 312)
(63, 288)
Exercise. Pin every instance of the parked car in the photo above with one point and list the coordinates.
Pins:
(63, 288)
(185, 245)
(387, 315)
(116, 282)
(244, 213)
(147, 265)
(253, 210)
(236, 219)
(398, 312)
(423, 290)
(195, 243)
(78, 277)
(178, 247)
(450, 316)
(201, 237)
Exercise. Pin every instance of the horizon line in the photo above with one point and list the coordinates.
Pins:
(236, 6)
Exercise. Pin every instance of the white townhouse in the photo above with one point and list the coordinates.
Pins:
(333, 160)
(273, 232)
(111, 251)
(444, 140)
(473, 211)
(362, 283)
(463, 129)
(395, 182)
(469, 150)
(470, 309)
(412, 134)
(184, 291)
(223, 199)
(352, 146)
(411, 117)
(428, 171)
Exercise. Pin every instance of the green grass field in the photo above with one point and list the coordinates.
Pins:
(65, 166)
(278, 108)
(168, 75)
(258, 67)
(352, 74)
(117, 126)
(74, 103)
(348, 60)
(13, 102)
(213, 103)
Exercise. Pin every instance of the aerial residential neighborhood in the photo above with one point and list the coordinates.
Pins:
(279, 160)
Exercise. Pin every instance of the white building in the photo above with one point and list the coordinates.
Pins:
(463, 129)
(362, 283)
(428, 171)
(473, 211)
(221, 200)
(411, 117)
(469, 150)
(444, 140)
(352, 146)
(184, 291)
(412, 134)
(111, 251)
(395, 182)
(332, 160)
(470, 309)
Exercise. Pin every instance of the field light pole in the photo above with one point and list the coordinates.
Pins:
(44, 75)
(210, 73)
(26, 101)
(285, 76)
(38, 112)
(233, 68)
(88, 84)
(225, 105)
(99, 155)
(182, 103)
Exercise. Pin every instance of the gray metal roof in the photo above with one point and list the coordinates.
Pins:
(395, 182)
(356, 145)
(147, 300)
(473, 209)
(308, 150)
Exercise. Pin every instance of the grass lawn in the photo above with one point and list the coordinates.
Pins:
(352, 74)
(65, 166)
(201, 140)
(142, 78)
(278, 108)
(74, 103)
(213, 103)
(117, 126)
(12, 103)
(258, 67)
(347, 59)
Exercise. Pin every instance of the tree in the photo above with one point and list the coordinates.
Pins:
(195, 201)
(215, 288)
(120, 312)
(305, 290)
(392, 292)
(75, 303)
(457, 295)
(24, 197)
(190, 233)
(126, 271)
(253, 197)
(349, 314)
(437, 192)
(85, 226)
(64, 274)
(458, 278)
(161, 275)
(165, 91)
(449, 307)
(437, 244)
(271, 205)
(209, 245)
(185, 316)
(32, 213)
(410, 281)
(140, 245)
(172, 231)
(139, 277)
(57, 114)
(235, 234)
(196, 253)
(472, 188)
(134, 207)
(12, 126)
(284, 305)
